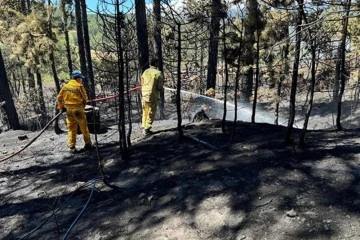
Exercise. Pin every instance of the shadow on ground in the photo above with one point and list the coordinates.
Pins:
(173, 189)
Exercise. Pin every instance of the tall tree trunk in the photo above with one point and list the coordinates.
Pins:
(278, 95)
(89, 72)
(120, 65)
(23, 6)
(142, 34)
(342, 66)
(28, 3)
(51, 55)
(178, 85)
(32, 86)
(128, 95)
(158, 50)
(285, 54)
(337, 75)
(223, 123)
(5, 96)
(312, 89)
(11, 87)
(251, 24)
(213, 44)
(80, 40)
(202, 68)
(40, 92)
(54, 72)
(57, 129)
(294, 74)
(64, 20)
(257, 76)
(249, 81)
(17, 84)
(237, 79)
(68, 51)
(31, 81)
(23, 81)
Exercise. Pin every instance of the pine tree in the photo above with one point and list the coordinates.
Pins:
(6, 99)
(142, 34)
(213, 43)
(158, 49)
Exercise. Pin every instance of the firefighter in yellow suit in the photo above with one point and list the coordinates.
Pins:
(72, 98)
(152, 83)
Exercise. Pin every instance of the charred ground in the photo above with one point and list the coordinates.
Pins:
(173, 189)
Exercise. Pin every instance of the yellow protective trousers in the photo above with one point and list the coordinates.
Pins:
(75, 117)
(149, 111)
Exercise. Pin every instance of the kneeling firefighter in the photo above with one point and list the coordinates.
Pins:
(72, 99)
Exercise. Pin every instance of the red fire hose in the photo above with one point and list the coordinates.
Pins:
(115, 96)
(57, 115)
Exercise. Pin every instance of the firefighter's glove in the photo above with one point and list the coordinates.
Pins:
(63, 109)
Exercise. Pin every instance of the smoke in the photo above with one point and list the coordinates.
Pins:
(214, 108)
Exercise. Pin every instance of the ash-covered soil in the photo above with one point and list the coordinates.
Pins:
(254, 188)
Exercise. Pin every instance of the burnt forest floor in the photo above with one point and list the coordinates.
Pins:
(254, 188)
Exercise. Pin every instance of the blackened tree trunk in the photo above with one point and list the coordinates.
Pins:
(28, 3)
(128, 95)
(54, 72)
(342, 66)
(68, 51)
(248, 84)
(178, 84)
(15, 90)
(294, 74)
(257, 76)
(158, 50)
(249, 41)
(337, 75)
(31, 81)
(312, 89)
(23, 81)
(237, 78)
(57, 129)
(5, 96)
(120, 65)
(51, 55)
(23, 6)
(40, 92)
(142, 34)
(223, 123)
(313, 49)
(285, 54)
(213, 43)
(64, 19)
(89, 66)
(32, 87)
(80, 40)
(202, 68)
(278, 94)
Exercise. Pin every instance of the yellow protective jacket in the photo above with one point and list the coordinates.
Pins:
(72, 95)
(152, 82)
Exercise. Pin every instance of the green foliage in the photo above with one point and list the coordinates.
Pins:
(94, 31)
(31, 42)
(27, 40)
(253, 23)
